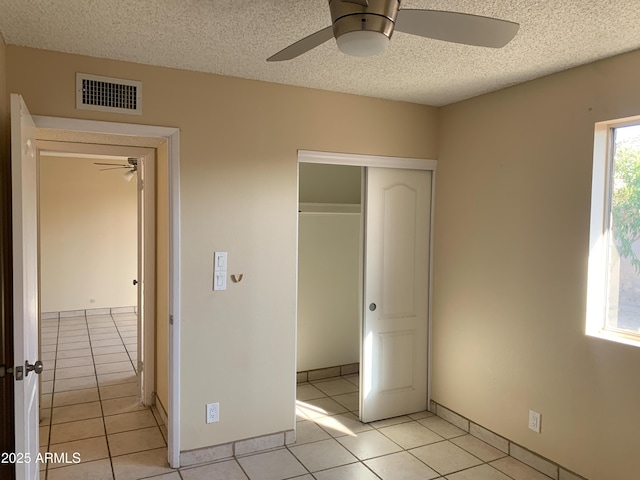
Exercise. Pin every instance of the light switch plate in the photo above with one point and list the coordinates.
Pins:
(219, 271)
(219, 280)
(220, 261)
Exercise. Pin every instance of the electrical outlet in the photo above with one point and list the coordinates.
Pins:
(534, 421)
(213, 412)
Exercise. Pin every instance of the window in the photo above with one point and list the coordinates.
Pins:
(613, 301)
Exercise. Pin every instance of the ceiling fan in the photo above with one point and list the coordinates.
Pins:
(363, 28)
(131, 166)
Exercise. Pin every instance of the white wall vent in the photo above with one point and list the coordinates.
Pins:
(107, 94)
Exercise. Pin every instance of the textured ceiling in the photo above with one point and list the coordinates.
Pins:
(234, 37)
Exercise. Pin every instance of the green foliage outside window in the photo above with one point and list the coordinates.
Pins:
(625, 208)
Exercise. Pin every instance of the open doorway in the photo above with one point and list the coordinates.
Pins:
(88, 243)
(98, 281)
(329, 270)
(329, 288)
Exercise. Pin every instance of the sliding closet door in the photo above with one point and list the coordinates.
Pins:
(394, 362)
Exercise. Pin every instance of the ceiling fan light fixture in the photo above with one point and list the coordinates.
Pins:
(363, 29)
(128, 175)
(362, 43)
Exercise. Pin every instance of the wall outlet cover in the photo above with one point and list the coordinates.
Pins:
(213, 412)
(534, 421)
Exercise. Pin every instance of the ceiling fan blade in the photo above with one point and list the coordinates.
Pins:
(303, 46)
(457, 27)
(113, 168)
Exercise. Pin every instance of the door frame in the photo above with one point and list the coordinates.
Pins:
(171, 136)
(406, 163)
(146, 255)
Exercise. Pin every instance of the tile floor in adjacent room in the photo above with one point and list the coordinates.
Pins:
(89, 401)
(90, 406)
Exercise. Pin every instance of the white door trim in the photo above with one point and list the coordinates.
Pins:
(172, 136)
(358, 160)
(147, 275)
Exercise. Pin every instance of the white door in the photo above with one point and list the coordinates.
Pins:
(25, 286)
(396, 275)
(146, 277)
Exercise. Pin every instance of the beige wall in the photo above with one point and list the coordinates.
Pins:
(239, 142)
(88, 236)
(510, 263)
(328, 290)
(329, 183)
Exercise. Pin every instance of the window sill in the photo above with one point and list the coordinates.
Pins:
(616, 337)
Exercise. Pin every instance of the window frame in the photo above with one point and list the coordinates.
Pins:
(599, 235)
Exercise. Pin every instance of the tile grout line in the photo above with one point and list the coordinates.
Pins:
(403, 449)
(239, 464)
(156, 421)
(135, 366)
(104, 423)
(55, 367)
(53, 392)
(378, 428)
(297, 459)
(149, 409)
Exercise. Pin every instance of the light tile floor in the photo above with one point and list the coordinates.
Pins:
(89, 401)
(89, 406)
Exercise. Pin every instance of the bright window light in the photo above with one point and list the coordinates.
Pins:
(623, 285)
(613, 303)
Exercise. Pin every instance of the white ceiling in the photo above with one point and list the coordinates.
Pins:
(234, 37)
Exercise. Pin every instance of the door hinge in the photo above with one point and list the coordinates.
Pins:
(170, 319)
(18, 373)
(140, 366)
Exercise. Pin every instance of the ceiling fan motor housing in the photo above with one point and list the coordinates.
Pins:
(373, 16)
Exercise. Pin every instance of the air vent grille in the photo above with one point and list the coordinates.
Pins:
(108, 94)
(95, 92)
